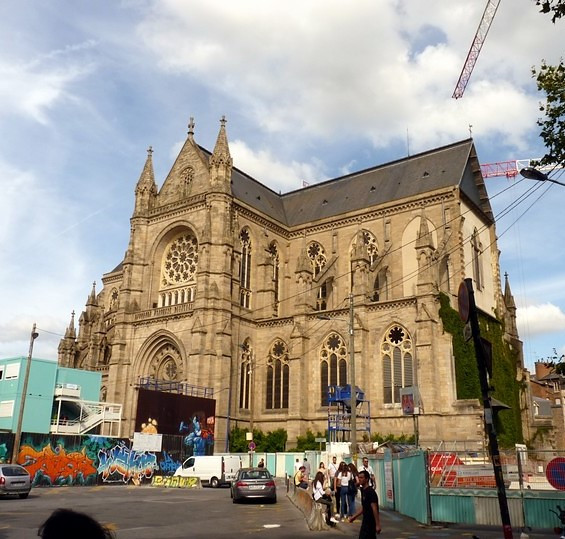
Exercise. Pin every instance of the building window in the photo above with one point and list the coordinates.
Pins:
(477, 266)
(178, 271)
(318, 258)
(397, 357)
(333, 365)
(274, 252)
(277, 376)
(245, 269)
(6, 408)
(12, 371)
(245, 371)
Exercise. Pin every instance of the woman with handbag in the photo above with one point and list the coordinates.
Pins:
(352, 489)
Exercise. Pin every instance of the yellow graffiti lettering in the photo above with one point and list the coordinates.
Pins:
(174, 481)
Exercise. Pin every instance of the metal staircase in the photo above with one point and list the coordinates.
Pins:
(76, 416)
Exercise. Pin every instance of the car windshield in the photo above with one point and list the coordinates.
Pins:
(11, 471)
(255, 474)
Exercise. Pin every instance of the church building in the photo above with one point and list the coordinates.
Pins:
(230, 286)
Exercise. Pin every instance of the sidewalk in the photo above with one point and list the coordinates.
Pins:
(398, 526)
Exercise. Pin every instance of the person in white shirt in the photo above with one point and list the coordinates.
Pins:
(367, 467)
(342, 478)
(322, 498)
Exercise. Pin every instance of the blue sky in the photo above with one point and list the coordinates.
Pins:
(312, 89)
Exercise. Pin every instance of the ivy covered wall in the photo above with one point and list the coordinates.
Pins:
(505, 363)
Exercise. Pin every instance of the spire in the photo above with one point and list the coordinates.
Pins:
(70, 333)
(92, 297)
(146, 189)
(508, 297)
(424, 236)
(191, 128)
(221, 154)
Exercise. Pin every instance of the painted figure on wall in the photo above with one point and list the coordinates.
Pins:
(198, 438)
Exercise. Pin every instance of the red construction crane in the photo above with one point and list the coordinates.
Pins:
(476, 46)
(511, 169)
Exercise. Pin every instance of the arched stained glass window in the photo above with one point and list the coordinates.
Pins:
(398, 368)
(333, 365)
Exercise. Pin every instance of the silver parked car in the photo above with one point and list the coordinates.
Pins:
(253, 483)
(14, 479)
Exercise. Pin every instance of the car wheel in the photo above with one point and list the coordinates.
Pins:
(23, 496)
(214, 482)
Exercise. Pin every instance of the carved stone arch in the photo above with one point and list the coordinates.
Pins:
(162, 356)
(179, 293)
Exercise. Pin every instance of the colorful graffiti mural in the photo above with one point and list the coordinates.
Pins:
(49, 466)
(121, 464)
(198, 438)
(3, 453)
(168, 464)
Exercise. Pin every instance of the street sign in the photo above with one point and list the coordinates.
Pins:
(555, 473)
(252, 446)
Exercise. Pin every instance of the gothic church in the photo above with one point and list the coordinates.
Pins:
(223, 283)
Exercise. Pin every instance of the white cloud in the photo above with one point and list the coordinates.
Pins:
(318, 68)
(540, 319)
(265, 166)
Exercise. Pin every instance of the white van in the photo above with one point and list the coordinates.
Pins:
(213, 470)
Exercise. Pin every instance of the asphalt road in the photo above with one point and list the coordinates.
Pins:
(147, 512)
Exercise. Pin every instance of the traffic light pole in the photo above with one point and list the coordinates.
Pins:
(468, 313)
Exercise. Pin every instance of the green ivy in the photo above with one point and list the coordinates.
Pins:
(505, 361)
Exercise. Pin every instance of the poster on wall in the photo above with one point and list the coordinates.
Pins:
(147, 442)
(409, 400)
(171, 413)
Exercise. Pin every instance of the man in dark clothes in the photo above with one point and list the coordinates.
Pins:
(371, 524)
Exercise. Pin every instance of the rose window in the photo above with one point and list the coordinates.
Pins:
(180, 261)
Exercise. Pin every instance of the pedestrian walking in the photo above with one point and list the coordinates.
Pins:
(371, 524)
(306, 465)
(367, 467)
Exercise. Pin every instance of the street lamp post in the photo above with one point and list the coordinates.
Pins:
(532, 173)
(18, 436)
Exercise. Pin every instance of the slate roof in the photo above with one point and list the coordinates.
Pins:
(441, 168)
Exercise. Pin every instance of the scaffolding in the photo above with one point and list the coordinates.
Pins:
(339, 413)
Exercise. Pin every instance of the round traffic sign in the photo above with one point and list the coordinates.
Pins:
(252, 446)
(555, 473)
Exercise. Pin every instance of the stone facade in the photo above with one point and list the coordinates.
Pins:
(223, 283)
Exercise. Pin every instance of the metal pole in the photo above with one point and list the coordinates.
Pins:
(488, 416)
(229, 408)
(353, 437)
(18, 436)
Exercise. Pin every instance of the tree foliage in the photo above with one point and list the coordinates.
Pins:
(551, 81)
(308, 441)
(556, 7)
(555, 362)
(269, 442)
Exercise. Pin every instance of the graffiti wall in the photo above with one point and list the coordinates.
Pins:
(175, 414)
(89, 460)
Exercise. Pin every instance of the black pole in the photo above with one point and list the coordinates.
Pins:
(488, 415)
